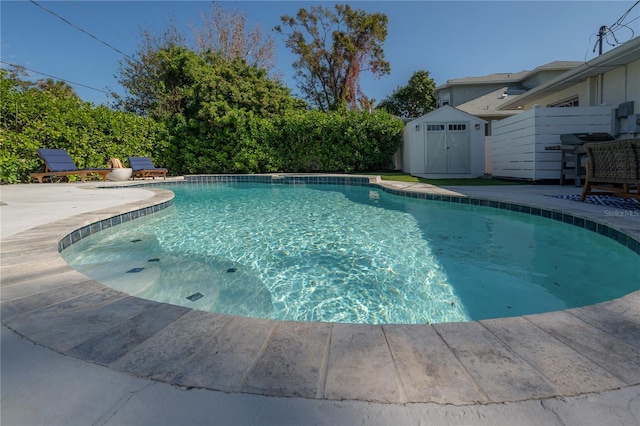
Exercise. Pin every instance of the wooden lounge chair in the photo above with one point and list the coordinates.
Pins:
(613, 168)
(58, 163)
(143, 167)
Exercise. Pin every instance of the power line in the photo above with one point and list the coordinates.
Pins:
(624, 15)
(84, 31)
(618, 27)
(57, 78)
(88, 13)
(610, 31)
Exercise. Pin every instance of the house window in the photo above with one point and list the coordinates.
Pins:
(457, 127)
(435, 127)
(573, 101)
(444, 99)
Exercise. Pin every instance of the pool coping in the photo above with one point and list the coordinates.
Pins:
(566, 353)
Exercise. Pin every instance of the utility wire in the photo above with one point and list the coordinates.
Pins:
(57, 78)
(618, 27)
(84, 31)
(611, 29)
(624, 15)
(100, 19)
(607, 32)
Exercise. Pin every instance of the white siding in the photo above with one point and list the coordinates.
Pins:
(487, 155)
(613, 89)
(518, 142)
(619, 85)
(633, 84)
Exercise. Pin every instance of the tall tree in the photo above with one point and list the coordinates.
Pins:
(414, 99)
(334, 48)
(214, 109)
(174, 80)
(226, 33)
(140, 75)
(60, 87)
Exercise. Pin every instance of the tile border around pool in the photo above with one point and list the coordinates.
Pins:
(573, 352)
(118, 219)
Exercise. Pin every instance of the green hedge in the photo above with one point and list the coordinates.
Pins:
(34, 118)
(299, 141)
(344, 141)
(217, 140)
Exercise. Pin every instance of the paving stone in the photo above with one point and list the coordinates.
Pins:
(499, 372)
(67, 324)
(109, 346)
(628, 305)
(26, 254)
(294, 361)
(623, 325)
(612, 354)
(225, 359)
(37, 234)
(428, 370)
(41, 300)
(569, 372)
(360, 365)
(43, 237)
(162, 355)
(33, 270)
(42, 284)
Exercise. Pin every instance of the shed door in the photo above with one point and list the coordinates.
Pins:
(435, 150)
(447, 148)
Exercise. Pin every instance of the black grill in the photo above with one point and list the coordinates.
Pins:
(580, 138)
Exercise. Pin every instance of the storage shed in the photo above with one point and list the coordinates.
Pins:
(446, 141)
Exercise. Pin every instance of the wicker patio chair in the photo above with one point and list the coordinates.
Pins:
(613, 168)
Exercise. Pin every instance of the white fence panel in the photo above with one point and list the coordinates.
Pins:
(512, 145)
(519, 142)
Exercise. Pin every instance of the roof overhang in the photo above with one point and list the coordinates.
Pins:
(618, 57)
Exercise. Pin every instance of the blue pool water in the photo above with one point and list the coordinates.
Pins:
(353, 254)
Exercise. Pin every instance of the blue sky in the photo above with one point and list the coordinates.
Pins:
(450, 39)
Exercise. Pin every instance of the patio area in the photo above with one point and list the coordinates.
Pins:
(77, 352)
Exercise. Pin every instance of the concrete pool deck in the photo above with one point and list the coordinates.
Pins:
(77, 352)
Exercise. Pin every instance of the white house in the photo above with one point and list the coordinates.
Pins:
(600, 96)
(483, 96)
(445, 142)
(612, 78)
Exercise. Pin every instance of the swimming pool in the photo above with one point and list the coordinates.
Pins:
(352, 254)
